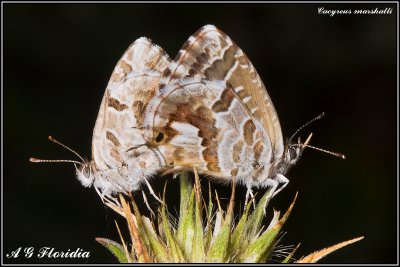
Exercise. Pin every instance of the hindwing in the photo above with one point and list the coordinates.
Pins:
(190, 129)
(211, 55)
(133, 83)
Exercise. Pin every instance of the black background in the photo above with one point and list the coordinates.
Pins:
(57, 62)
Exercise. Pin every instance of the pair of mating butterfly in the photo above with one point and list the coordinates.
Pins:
(208, 109)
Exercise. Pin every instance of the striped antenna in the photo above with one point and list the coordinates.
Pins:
(305, 144)
(35, 160)
(306, 124)
(336, 154)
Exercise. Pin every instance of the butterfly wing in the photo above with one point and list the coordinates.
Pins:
(210, 54)
(133, 83)
(204, 124)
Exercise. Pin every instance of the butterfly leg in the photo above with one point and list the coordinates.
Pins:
(151, 190)
(105, 197)
(249, 193)
(246, 200)
(147, 204)
(100, 194)
(280, 179)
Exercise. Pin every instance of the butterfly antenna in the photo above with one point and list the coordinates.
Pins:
(35, 160)
(64, 146)
(336, 154)
(306, 124)
(305, 144)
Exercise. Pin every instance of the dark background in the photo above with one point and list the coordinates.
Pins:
(57, 62)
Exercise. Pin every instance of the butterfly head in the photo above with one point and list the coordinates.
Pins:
(292, 154)
(84, 168)
(84, 173)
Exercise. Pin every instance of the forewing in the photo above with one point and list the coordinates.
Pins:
(133, 83)
(210, 54)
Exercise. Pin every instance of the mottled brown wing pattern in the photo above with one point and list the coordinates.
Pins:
(210, 54)
(208, 109)
(204, 124)
(133, 83)
(183, 125)
(118, 136)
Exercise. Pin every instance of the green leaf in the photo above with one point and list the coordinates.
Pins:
(208, 229)
(198, 238)
(186, 190)
(259, 250)
(140, 227)
(147, 232)
(157, 247)
(174, 249)
(290, 256)
(220, 246)
(220, 241)
(186, 228)
(139, 249)
(239, 238)
(116, 249)
(253, 224)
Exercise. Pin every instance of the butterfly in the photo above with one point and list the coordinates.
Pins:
(213, 112)
(207, 109)
(119, 160)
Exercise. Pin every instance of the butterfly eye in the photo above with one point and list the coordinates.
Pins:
(292, 153)
(86, 171)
